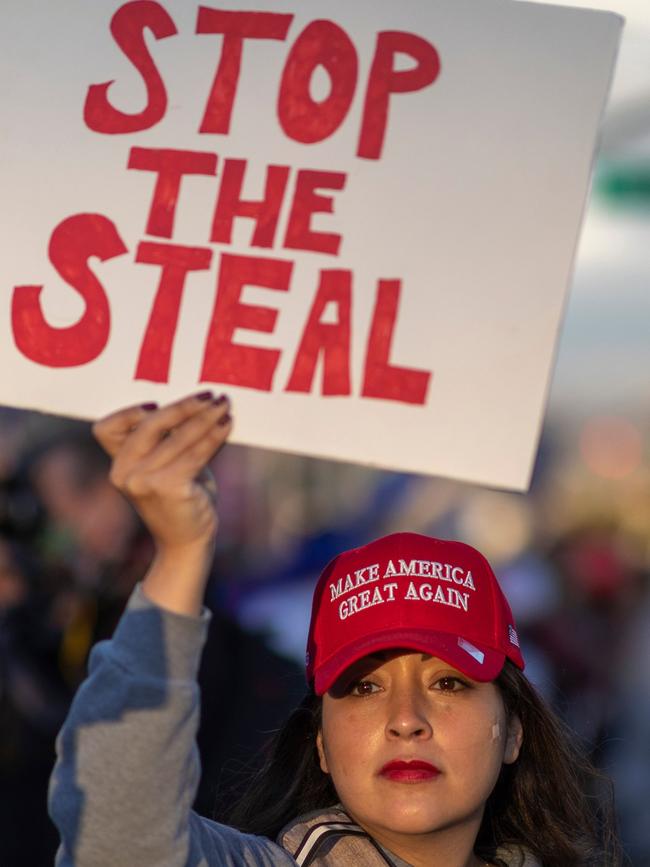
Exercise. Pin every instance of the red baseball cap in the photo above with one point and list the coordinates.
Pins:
(408, 590)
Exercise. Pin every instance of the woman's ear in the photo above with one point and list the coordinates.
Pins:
(321, 752)
(514, 740)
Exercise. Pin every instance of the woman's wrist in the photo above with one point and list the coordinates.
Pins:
(178, 575)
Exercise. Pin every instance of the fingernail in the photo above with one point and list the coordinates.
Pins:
(219, 400)
(226, 419)
(204, 395)
(149, 407)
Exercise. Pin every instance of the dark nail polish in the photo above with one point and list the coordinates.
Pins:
(219, 400)
(225, 420)
(149, 407)
(204, 395)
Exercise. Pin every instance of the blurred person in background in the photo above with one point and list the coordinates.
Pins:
(627, 749)
(34, 698)
(585, 639)
(71, 551)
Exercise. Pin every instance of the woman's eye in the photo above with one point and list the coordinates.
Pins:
(450, 684)
(363, 687)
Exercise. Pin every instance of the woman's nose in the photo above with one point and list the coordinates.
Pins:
(408, 718)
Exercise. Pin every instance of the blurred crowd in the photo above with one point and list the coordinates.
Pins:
(573, 556)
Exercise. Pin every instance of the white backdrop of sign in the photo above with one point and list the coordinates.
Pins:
(361, 226)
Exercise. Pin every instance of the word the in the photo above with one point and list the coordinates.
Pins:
(170, 166)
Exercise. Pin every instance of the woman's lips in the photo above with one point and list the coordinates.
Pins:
(414, 771)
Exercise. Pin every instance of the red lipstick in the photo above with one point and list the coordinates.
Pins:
(415, 771)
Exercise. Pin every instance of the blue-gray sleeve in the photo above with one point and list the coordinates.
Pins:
(127, 764)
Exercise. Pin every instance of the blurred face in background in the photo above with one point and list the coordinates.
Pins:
(79, 497)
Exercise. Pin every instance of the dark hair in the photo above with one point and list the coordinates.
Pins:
(290, 781)
(551, 802)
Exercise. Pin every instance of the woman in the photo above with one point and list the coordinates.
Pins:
(420, 743)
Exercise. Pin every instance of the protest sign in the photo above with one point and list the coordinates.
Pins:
(358, 219)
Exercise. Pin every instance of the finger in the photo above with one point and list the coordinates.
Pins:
(112, 430)
(184, 436)
(150, 432)
(191, 462)
(141, 479)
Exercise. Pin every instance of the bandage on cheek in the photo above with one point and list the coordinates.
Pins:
(496, 731)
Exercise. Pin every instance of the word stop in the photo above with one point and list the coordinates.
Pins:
(321, 44)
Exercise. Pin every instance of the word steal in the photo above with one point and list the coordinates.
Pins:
(80, 237)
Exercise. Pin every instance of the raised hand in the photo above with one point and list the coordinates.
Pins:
(160, 461)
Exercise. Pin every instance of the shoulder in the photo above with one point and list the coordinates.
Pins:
(305, 830)
(227, 847)
(330, 837)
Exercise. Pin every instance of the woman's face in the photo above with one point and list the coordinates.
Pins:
(413, 746)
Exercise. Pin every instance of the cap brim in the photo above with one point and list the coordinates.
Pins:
(477, 661)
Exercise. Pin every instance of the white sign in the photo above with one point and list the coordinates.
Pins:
(357, 219)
